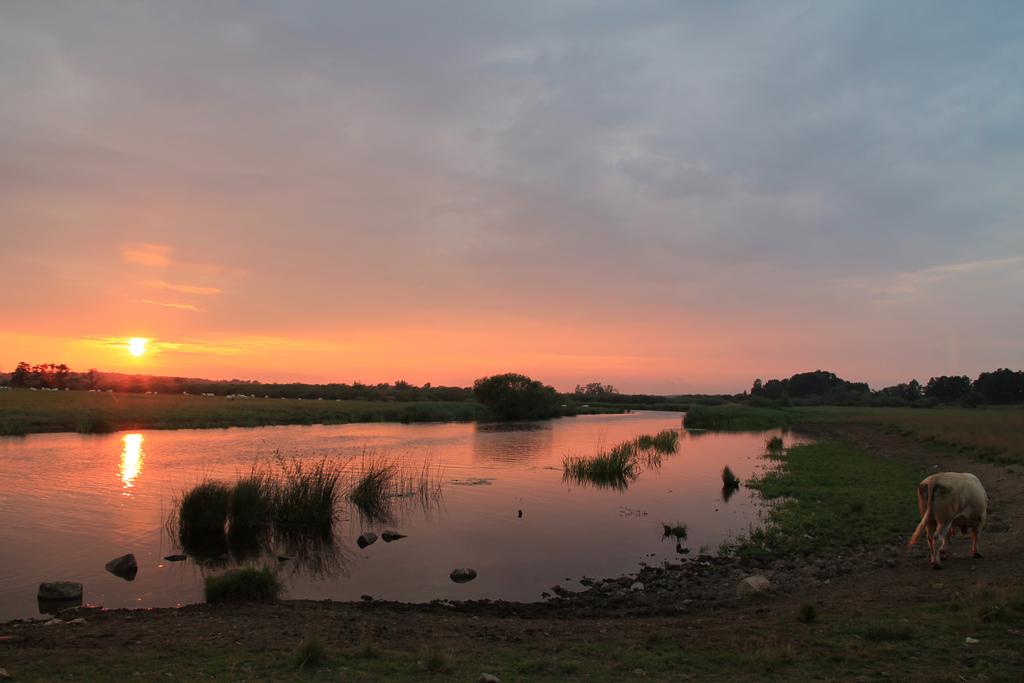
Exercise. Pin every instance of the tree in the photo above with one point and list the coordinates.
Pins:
(595, 390)
(1001, 386)
(947, 389)
(19, 378)
(516, 397)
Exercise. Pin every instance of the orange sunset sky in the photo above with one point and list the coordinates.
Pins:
(655, 195)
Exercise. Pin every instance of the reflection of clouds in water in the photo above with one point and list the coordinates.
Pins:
(132, 456)
(511, 442)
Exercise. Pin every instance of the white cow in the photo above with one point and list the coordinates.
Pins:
(948, 501)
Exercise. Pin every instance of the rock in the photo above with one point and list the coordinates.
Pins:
(390, 535)
(79, 620)
(488, 678)
(753, 584)
(4, 675)
(636, 586)
(365, 539)
(176, 558)
(462, 575)
(124, 567)
(60, 590)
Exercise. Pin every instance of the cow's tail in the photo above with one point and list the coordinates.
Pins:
(925, 516)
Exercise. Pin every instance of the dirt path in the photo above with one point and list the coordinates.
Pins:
(886, 577)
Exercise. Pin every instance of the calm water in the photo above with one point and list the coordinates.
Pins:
(70, 502)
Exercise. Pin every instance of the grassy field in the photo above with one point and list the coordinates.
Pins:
(833, 497)
(23, 411)
(989, 434)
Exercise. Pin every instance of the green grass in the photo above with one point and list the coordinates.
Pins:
(807, 614)
(204, 507)
(615, 468)
(71, 411)
(243, 585)
(311, 652)
(812, 490)
(992, 434)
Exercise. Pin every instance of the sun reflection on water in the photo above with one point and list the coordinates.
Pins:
(132, 456)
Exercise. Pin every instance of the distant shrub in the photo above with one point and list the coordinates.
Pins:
(243, 585)
(516, 397)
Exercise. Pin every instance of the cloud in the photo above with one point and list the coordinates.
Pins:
(168, 304)
(184, 289)
(151, 255)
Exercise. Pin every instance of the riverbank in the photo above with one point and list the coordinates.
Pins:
(23, 411)
(878, 610)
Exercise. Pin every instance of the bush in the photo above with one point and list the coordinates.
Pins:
(243, 585)
(516, 397)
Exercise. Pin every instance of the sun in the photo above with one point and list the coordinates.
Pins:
(137, 346)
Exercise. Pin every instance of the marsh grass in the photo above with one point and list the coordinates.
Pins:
(253, 500)
(677, 531)
(729, 479)
(383, 486)
(666, 441)
(616, 468)
(204, 508)
(774, 444)
(311, 652)
(308, 493)
(243, 585)
(14, 427)
(94, 424)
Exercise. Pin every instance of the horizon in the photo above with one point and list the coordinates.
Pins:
(668, 199)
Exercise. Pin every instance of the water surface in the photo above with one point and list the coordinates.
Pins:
(71, 502)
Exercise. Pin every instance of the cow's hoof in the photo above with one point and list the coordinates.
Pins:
(977, 556)
(936, 566)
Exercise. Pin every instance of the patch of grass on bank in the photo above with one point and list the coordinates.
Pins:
(81, 411)
(993, 434)
(310, 653)
(14, 427)
(815, 486)
(243, 585)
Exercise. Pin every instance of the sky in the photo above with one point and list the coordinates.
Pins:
(670, 197)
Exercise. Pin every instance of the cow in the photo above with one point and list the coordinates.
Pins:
(948, 501)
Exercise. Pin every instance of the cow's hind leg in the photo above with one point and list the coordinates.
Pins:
(939, 540)
(974, 544)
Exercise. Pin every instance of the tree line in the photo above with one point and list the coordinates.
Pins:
(998, 387)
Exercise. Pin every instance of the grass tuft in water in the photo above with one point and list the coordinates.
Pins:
(774, 444)
(308, 494)
(616, 468)
(666, 441)
(374, 489)
(243, 585)
(729, 480)
(204, 508)
(677, 531)
(253, 501)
